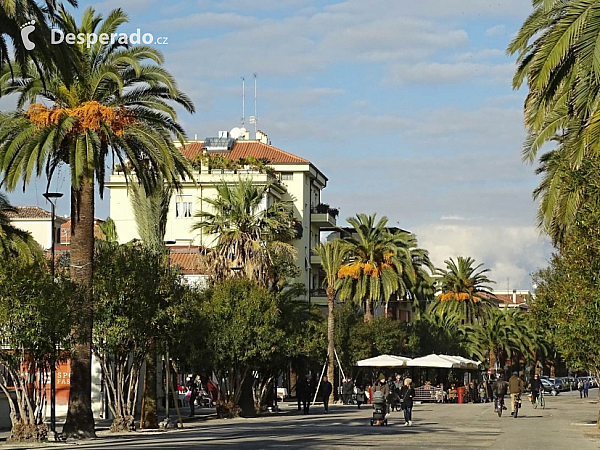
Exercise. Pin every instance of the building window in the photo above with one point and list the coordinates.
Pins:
(183, 209)
(287, 176)
(65, 235)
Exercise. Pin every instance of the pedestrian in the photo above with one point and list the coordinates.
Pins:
(586, 388)
(304, 391)
(326, 390)
(213, 392)
(193, 390)
(580, 388)
(360, 396)
(407, 394)
(347, 388)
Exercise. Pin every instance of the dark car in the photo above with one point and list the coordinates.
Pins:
(550, 387)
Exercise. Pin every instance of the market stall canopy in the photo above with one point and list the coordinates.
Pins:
(384, 361)
(469, 363)
(437, 361)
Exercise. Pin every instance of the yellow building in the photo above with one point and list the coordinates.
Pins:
(297, 180)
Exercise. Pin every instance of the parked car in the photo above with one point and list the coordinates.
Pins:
(551, 388)
(561, 382)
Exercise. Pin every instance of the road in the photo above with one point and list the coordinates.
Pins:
(566, 423)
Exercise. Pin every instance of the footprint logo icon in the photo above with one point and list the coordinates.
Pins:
(26, 30)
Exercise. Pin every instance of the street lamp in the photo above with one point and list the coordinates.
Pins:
(52, 197)
(168, 359)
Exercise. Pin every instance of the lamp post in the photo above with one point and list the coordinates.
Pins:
(52, 197)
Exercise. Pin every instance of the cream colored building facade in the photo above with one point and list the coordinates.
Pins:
(38, 222)
(297, 181)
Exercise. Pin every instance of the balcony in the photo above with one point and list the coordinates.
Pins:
(323, 216)
(315, 259)
(318, 297)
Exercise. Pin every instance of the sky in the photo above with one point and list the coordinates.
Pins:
(407, 107)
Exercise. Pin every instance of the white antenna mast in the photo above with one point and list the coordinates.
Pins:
(243, 101)
(254, 118)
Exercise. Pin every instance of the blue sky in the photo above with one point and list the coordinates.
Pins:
(406, 106)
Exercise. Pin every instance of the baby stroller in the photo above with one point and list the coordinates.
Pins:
(379, 409)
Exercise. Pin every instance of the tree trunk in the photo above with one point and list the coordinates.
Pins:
(331, 340)
(368, 311)
(492, 360)
(149, 417)
(80, 419)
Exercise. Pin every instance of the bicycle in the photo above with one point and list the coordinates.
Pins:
(500, 405)
(539, 401)
(517, 405)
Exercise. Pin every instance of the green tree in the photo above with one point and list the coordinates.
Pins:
(379, 263)
(465, 291)
(248, 238)
(380, 336)
(14, 241)
(119, 102)
(557, 56)
(242, 333)
(134, 294)
(150, 211)
(333, 255)
(35, 320)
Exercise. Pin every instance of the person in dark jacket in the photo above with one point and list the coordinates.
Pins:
(326, 390)
(536, 385)
(304, 390)
(347, 389)
(586, 388)
(193, 387)
(499, 389)
(407, 394)
(361, 397)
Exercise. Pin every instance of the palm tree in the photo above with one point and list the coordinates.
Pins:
(465, 293)
(332, 256)
(557, 55)
(14, 15)
(119, 104)
(247, 237)
(14, 241)
(379, 263)
(150, 210)
(503, 335)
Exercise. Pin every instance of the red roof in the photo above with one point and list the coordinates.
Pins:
(29, 212)
(187, 258)
(244, 149)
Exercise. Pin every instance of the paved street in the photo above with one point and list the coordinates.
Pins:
(565, 424)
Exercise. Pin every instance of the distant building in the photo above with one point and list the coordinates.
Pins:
(297, 180)
(513, 299)
(38, 222)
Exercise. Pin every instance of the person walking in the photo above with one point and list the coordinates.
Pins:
(586, 388)
(326, 390)
(536, 386)
(360, 395)
(304, 391)
(580, 388)
(213, 392)
(193, 389)
(347, 388)
(407, 394)
(516, 388)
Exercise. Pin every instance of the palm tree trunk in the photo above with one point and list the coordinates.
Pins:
(331, 339)
(80, 419)
(492, 360)
(149, 417)
(369, 317)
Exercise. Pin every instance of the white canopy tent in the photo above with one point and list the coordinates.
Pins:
(384, 361)
(444, 362)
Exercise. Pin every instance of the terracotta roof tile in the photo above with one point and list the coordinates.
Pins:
(244, 149)
(29, 212)
(187, 258)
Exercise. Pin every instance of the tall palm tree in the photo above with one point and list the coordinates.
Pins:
(247, 237)
(14, 241)
(119, 103)
(465, 291)
(333, 255)
(150, 211)
(379, 263)
(558, 59)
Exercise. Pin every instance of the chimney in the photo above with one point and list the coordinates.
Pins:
(195, 137)
(514, 296)
(262, 137)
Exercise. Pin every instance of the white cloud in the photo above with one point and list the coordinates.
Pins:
(511, 252)
(495, 30)
(447, 73)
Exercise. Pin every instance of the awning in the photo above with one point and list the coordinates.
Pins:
(444, 362)
(384, 361)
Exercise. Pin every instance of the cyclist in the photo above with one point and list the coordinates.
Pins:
(536, 386)
(516, 387)
(499, 390)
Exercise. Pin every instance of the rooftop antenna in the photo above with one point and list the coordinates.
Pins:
(254, 118)
(243, 101)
